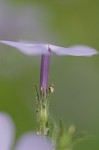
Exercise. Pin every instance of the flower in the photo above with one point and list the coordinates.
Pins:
(45, 50)
(37, 49)
(28, 141)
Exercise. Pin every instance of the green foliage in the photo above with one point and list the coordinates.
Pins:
(42, 104)
(67, 137)
(63, 138)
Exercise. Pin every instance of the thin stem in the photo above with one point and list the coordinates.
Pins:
(44, 74)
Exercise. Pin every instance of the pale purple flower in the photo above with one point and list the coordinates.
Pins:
(45, 50)
(38, 49)
(28, 141)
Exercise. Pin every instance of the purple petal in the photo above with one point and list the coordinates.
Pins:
(6, 132)
(29, 49)
(78, 50)
(37, 49)
(33, 142)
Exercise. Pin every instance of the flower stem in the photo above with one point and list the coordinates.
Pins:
(44, 74)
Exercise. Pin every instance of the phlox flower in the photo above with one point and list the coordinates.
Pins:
(28, 141)
(45, 50)
(38, 49)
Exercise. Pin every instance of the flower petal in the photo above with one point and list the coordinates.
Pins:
(29, 49)
(37, 49)
(77, 50)
(6, 132)
(33, 142)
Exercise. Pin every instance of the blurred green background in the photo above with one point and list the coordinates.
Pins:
(76, 79)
